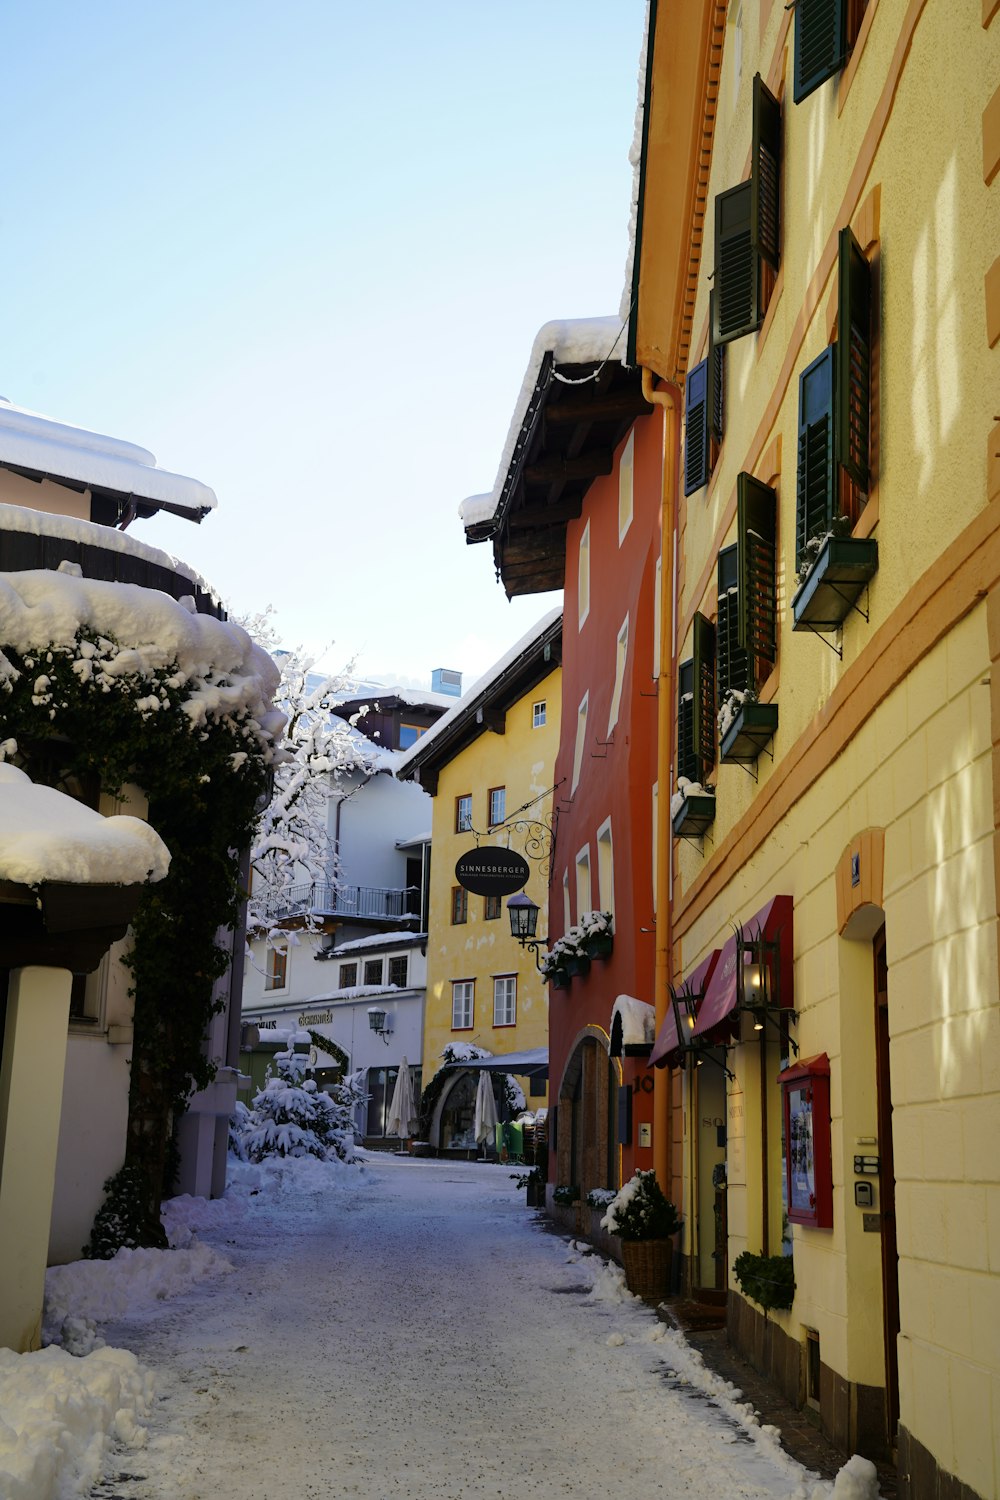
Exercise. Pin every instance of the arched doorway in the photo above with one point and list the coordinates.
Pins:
(587, 1146)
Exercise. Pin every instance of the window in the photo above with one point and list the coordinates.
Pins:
(605, 868)
(655, 842)
(492, 908)
(736, 46)
(625, 487)
(459, 905)
(657, 616)
(584, 894)
(348, 976)
(825, 32)
(583, 577)
(704, 412)
(277, 969)
(756, 514)
(373, 971)
(463, 813)
(498, 805)
(696, 706)
(505, 1000)
(581, 740)
(747, 219)
(538, 714)
(409, 734)
(835, 412)
(399, 970)
(621, 657)
(567, 911)
(462, 993)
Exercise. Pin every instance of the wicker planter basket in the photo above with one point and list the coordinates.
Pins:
(647, 1266)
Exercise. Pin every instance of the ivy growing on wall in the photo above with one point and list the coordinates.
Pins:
(92, 712)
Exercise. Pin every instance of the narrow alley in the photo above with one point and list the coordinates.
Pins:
(416, 1332)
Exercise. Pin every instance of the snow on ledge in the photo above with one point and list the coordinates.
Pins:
(638, 1021)
(45, 835)
(29, 440)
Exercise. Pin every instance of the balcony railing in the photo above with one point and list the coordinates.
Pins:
(349, 902)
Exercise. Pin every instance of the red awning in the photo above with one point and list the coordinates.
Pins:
(666, 1045)
(722, 994)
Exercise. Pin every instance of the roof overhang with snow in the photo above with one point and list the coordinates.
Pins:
(122, 478)
(533, 1063)
(576, 404)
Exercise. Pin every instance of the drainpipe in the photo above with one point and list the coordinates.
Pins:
(669, 400)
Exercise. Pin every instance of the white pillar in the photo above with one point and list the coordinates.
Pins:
(31, 1085)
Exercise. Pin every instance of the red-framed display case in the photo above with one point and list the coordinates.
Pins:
(805, 1091)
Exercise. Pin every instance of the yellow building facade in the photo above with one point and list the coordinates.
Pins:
(872, 1082)
(489, 766)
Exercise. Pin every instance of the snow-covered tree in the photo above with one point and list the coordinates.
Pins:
(290, 1116)
(293, 844)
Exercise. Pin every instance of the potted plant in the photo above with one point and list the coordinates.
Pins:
(692, 809)
(644, 1220)
(597, 932)
(768, 1280)
(534, 1182)
(554, 970)
(746, 726)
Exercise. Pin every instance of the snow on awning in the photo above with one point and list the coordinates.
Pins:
(40, 446)
(633, 1027)
(533, 1063)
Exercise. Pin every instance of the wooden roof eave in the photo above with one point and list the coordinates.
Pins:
(686, 62)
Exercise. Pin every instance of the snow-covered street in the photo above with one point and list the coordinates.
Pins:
(408, 1330)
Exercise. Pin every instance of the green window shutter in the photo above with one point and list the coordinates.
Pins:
(820, 44)
(687, 764)
(765, 173)
(815, 487)
(696, 454)
(854, 360)
(731, 657)
(715, 396)
(737, 267)
(704, 691)
(756, 509)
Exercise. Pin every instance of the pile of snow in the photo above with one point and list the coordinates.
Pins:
(132, 1282)
(45, 835)
(59, 1415)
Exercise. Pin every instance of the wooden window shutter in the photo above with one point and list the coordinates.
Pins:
(696, 454)
(715, 393)
(756, 509)
(731, 657)
(687, 764)
(765, 173)
(815, 487)
(704, 691)
(820, 44)
(737, 268)
(854, 360)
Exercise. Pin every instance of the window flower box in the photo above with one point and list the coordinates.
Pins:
(692, 810)
(750, 731)
(844, 567)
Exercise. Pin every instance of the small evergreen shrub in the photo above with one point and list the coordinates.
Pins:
(768, 1280)
(641, 1211)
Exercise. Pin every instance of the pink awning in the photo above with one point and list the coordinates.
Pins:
(666, 1045)
(722, 994)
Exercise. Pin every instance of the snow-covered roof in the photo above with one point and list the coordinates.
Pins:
(638, 1021)
(47, 836)
(380, 940)
(575, 341)
(43, 445)
(635, 160)
(415, 841)
(468, 701)
(225, 671)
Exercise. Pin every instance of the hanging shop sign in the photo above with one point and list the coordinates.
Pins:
(492, 871)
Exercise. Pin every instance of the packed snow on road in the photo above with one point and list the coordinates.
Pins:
(400, 1328)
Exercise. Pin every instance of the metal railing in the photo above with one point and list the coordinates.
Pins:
(364, 902)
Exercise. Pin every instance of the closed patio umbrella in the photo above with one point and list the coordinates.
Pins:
(486, 1109)
(402, 1119)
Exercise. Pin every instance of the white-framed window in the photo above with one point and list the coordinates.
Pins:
(463, 813)
(462, 1001)
(567, 909)
(538, 712)
(581, 740)
(621, 659)
(276, 976)
(498, 805)
(399, 968)
(583, 577)
(373, 971)
(657, 615)
(584, 891)
(625, 487)
(735, 46)
(605, 868)
(656, 821)
(348, 976)
(505, 1000)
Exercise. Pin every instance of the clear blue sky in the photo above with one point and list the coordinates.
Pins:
(301, 251)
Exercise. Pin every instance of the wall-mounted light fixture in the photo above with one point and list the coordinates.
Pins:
(379, 1022)
(523, 914)
(758, 982)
